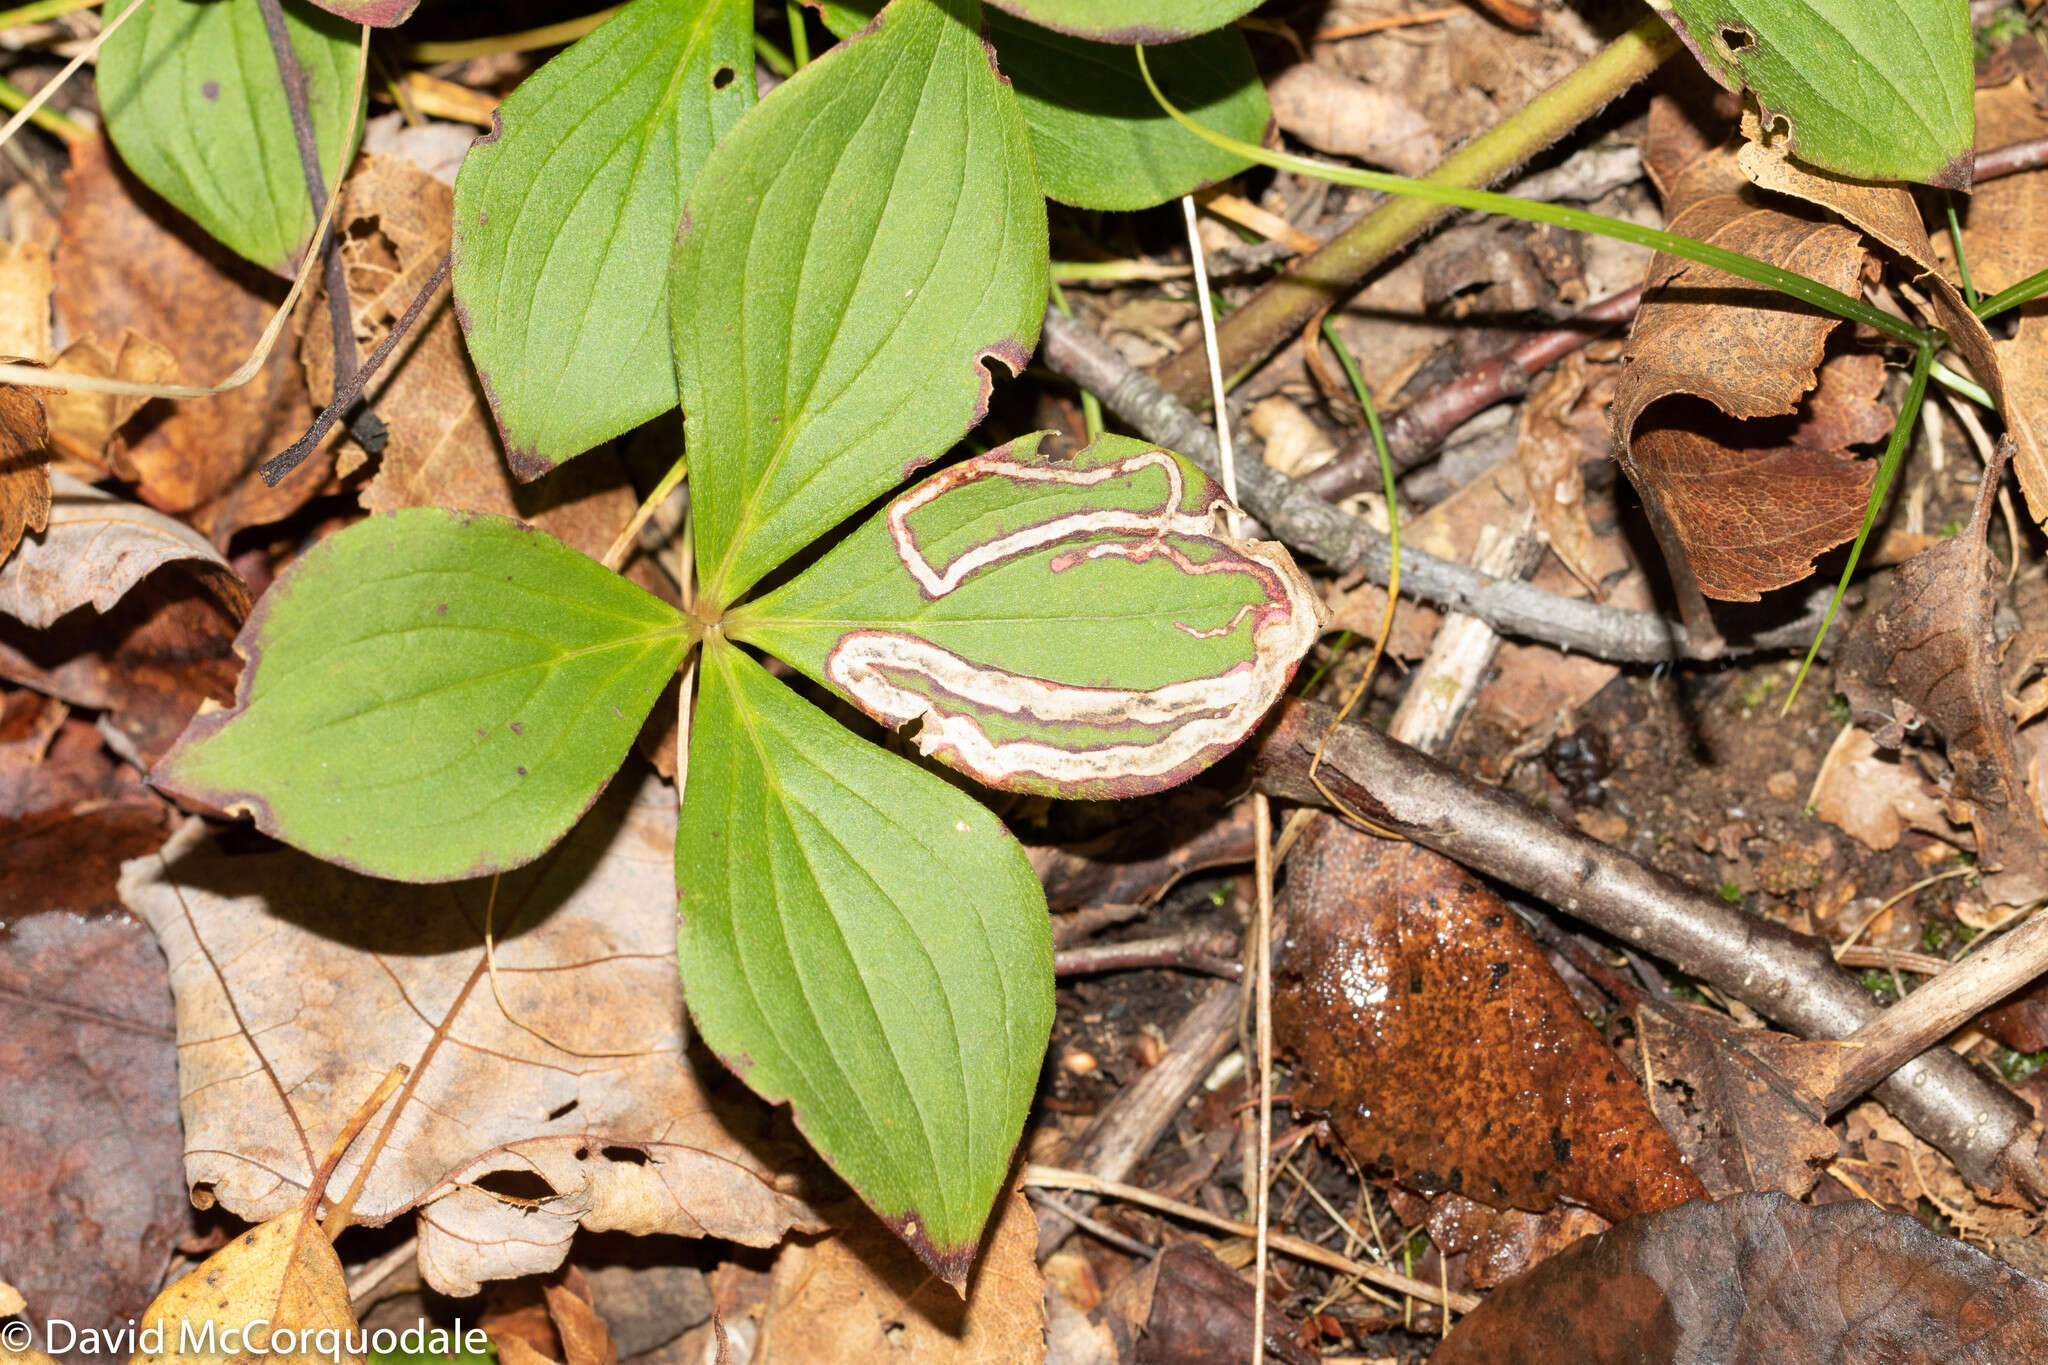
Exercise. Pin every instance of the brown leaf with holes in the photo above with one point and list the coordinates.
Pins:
(575, 1102)
(90, 1170)
(1757, 1277)
(1721, 1093)
(1932, 646)
(444, 450)
(861, 1296)
(126, 260)
(1443, 1045)
(1715, 365)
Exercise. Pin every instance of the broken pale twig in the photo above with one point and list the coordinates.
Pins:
(1939, 1008)
(1783, 975)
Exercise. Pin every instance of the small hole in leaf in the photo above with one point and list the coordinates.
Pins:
(523, 1186)
(583, 1154)
(625, 1156)
(1735, 38)
(559, 1110)
(722, 77)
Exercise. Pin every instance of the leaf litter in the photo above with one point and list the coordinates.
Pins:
(336, 979)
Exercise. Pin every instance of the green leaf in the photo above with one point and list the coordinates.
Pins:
(375, 13)
(1072, 628)
(866, 942)
(1875, 89)
(1101, 140)
(854, 251)
(431, 695)
(566, 214)
(194, 103)
(1130, 21)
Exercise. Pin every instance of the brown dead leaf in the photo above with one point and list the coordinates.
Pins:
(27, 280)
(585, 1336)
(2006, 236)
(1743, 1126)
(1443, 1045)
(1186, 1307)
(1758, 1277)
(1333, 113)
(277, 1283)
(1873, 797)
(126, 260)
(96, 549)
(149, 664)
(85, 425)
(24, 467)
(860, 1296)
(444, 449)
(90, 1163)
(1932, 646)
(1710, 357)
(513, 1128)
(1500, 1244)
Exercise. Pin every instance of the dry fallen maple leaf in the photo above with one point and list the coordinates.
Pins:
(860, 1296)
(299, 985)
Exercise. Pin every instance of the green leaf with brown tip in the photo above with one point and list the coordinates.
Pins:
(431, 695)
(1075, 628)
(1874, 89)
(566, 214)
(193, 102)
(864, 941)
(1130, 21)
(855, 251)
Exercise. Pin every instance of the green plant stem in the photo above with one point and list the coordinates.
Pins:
(1091, 406)
(799, 36)
(1379, 435)
(2026, 291)
(1557, 215)
(773, 57)
(40, 11)
(45, 118)
(1961, 387)
(1955, 237)
(1280, 310)
(1894, 455)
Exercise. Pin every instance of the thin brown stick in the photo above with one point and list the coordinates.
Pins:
(1784, 975)
(1211, 954)
(1054, 1178)
(1339, 32)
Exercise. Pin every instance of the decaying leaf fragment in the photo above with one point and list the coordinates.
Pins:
(861, 1296)
(1444, 1046)
(275, 1293)
(1761, 1278)
(285, 967)
(1932, 646)
(24, 467)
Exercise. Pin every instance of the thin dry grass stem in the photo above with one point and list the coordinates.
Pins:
(1261, 950)
(1339, 32)
(1846, 944)
(1057, 1178)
